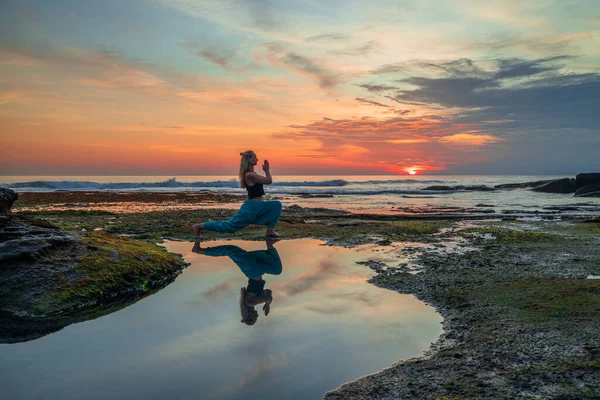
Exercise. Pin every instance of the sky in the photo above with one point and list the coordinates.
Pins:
(181, 87)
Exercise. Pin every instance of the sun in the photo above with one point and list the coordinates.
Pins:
(412, 172)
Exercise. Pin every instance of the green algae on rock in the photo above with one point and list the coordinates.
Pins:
(56, 278)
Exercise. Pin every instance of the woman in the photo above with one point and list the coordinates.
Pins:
(255, 210)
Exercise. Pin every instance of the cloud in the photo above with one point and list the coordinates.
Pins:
(374, 103)
(225, 58)
(388, 69)
(301, 64)
(262, 13)
(529, 92)
(516, 68)
(19, 58)
(393, 144)
(368, 128)
(536, 44)
(469, 139)
(377, 88)
(328, 37)
(362, 50)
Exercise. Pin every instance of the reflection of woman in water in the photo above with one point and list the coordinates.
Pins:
(255, 210)
(253, 264)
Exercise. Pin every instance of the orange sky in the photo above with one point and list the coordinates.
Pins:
(172, 87)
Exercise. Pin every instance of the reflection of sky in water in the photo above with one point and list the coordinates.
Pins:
(326, 326)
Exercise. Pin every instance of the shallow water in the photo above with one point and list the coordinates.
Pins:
(326, 326)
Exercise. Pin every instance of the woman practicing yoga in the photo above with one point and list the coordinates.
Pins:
(255, 210)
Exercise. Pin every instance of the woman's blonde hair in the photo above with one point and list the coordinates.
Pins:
(244, 166)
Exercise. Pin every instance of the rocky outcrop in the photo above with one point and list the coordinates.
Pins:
(565, 185)
(522, 185)
(51, 278)
(7, 198)
(480, 188)
(588, 191)
(586, 179)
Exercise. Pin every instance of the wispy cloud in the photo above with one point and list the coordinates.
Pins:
(362, 50)
(225, 58)
(371, 102)
(335, 37)
(301, 64)
(469, 139)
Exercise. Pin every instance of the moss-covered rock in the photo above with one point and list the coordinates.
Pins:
(47, 274)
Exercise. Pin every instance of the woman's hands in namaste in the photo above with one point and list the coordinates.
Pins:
(266, 166)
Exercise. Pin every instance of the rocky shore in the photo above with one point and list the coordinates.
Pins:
(520, 316)
(583, 185)
(520, 309)
(51, 277)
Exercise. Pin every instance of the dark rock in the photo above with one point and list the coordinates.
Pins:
(588, 191)
(522, 185)
(32, 247)
(586, 179)
(440, 187)
(314, 196)
(7, 198)
(565, 185)
(480, 188)
(484, 205)
(113, 254)
(50, 278)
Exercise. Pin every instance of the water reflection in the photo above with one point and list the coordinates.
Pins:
(254, 264)
(328, 325)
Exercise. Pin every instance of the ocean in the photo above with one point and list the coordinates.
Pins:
(384, 194)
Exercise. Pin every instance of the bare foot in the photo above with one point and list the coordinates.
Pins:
(197, 248)
(197, 228)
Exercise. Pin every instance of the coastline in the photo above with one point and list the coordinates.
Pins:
(520, 318)
(506, 332)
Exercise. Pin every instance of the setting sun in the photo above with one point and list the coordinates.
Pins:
(412, 170)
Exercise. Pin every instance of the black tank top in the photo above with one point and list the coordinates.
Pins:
(255, 191)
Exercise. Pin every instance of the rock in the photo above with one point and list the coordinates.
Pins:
(480, 188)
(588, 191)
(521, 185)
(314, 196)
(7, 198)
(586, 179)
(565, 185)
(50, 278)
(114, 254)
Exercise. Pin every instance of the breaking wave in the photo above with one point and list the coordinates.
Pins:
(231, 183)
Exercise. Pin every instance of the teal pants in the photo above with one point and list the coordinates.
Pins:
(259, 212)
(252, 263)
